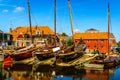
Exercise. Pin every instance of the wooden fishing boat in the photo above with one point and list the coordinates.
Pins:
(108, 61)
(70, 53)
(24, 53)
(49, 53)
(46, 54)
(66, 57)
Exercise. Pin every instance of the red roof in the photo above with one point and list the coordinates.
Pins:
(26, 30)
(98, 35)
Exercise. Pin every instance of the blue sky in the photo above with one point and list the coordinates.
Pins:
(86, 14)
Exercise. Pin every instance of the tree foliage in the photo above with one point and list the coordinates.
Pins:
(64, 34)
(118, 44)
(69, 42)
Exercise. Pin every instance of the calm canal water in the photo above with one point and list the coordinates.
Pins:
(29, 72)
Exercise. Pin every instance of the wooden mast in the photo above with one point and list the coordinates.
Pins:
(108, 28)
(70, 11)
(29, 15)
(55, 20)
(55, 29)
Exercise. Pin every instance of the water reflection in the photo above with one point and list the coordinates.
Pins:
(116, 75)
(45, 72)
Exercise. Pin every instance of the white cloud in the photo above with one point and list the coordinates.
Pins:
(5, 11)
(76, 30)
(19, 9)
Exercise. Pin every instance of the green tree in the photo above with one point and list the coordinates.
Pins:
(118, 44)
(69, 42)
(64, 34)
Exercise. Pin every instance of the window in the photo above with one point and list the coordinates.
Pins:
(96, 40)
(27, 36)
(88, 40)
(95, 46)
(88, 46)
(102, 40)
(102, 46)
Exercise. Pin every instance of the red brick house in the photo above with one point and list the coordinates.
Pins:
(96, 40)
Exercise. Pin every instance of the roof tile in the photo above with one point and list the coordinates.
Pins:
(26, 30)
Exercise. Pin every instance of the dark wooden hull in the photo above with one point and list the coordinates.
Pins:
(44, 55)
(22, 55)
(66, 57)
(108, 62)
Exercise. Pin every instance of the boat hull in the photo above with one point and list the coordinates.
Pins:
(43, 56)
(107, 62)
(22, 55)
(66, 57)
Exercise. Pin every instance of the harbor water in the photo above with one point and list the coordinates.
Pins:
(45, 72)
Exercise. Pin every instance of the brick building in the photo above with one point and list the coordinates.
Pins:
(96, 40)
